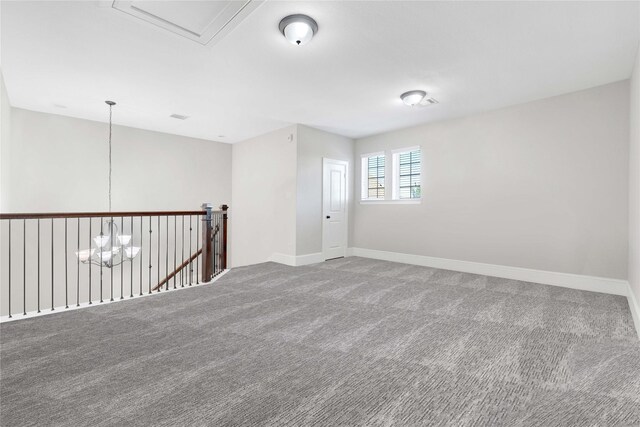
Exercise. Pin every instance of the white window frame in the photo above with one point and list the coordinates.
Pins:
(364, 176)
(391, 177)
(396, 174)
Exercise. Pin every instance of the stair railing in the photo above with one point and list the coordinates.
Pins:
(52, 261)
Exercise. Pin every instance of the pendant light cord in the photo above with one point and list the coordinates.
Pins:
(110, 108)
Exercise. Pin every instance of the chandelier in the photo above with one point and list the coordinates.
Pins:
(112, 248)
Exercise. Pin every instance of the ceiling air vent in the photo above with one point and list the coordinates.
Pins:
(429, 101)
(205, 22)
(179, 116)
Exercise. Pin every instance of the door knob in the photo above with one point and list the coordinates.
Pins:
(328, 217)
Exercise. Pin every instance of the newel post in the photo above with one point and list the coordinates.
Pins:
(207, 237)
(224, 209)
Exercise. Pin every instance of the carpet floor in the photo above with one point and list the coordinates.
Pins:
(349, 342)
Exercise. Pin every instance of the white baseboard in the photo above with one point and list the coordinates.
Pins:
(283, 259)
(635, 309)
(567, 280)
(309, 259)
(62, 309)
(296, 261)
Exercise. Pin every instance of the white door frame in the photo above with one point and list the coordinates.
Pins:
(325, 161)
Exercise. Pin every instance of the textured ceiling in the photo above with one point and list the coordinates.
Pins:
(470, 56)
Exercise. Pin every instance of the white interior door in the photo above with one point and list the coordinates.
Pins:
(334, 208)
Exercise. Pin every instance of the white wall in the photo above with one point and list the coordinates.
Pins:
(634, 185)
(5, 153)
(313, 146)
(277, 193)
(263, 214)
(542, 185)
(61, 164)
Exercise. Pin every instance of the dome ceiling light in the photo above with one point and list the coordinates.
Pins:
(413, 97)
(298, 29)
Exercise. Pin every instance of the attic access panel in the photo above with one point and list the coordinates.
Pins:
(205, 22)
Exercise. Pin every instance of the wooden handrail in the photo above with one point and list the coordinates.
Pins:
(190, 260)
(62, 238)
(177, 270)
(96, 214)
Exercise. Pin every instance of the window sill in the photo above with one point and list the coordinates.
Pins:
(392, 202)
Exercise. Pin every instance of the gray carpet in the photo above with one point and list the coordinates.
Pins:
(346, 342)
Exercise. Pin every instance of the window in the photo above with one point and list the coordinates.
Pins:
(373, 184)
(407, 174)
(405, 185)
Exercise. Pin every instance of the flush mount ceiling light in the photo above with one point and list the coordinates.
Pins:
(298, 29)
(413, 97)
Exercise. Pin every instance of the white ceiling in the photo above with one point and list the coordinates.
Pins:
(470, 56)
